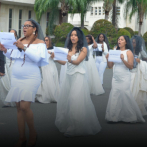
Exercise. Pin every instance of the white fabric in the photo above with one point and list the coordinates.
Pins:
(62, 73)
(49, 88)
(94, 80)
(5, 83)
(76, 114)
(26, 79)
(101, 66)
(139, 86)
(121, 104)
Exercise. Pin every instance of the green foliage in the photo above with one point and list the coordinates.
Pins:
(130, 31)
(61, 31)
(60, 43)
(145, 38)
(122, 32)
(105, 27)
(85, 31)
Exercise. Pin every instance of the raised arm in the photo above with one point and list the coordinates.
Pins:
(80, 58)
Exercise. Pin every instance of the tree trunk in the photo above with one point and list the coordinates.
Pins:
(140, 26)
(106, 15)
(65, 18)
(114, 14)
(82, 21)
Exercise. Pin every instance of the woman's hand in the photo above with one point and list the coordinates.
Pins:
(107, 56)
(122, 57)
(52, 54)
(19, 44)
(2, 48)
(138, 60)
(102, 47)
(69, 58)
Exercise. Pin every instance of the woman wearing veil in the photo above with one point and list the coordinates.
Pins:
(101, 52)
(138, 74)
(93, 75)
(76, 115)
(121, 104)
(26, 77)
(49, 88)
(5, 82)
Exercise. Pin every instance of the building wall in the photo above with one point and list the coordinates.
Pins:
(4, 16)
(122, 22)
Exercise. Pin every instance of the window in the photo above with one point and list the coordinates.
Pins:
(20, 20)
(47, 18)
(118, 11)
(95, 10)
(29, 14)
(91, 10)
(10, 19)
(99, 10)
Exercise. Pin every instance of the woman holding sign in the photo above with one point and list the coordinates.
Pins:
(138, 74)
(49, 88)
(93, 75)
(121, 104)
(76, 114)
(26, 77)
(5, 82)
(101, 51)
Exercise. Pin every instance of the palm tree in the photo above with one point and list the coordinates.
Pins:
(107, 6)
(139, 7)
(82, 6)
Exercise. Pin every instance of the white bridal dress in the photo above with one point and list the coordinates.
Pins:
(76, 114)
(26, 78)
(121, 104)
(49, 88)
(94, 80)
(5, 83)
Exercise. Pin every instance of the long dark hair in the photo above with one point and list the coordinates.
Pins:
(90, 38)
(128, 43)
(138, 41)
(31, 41)
(105, 40)
(79, 43)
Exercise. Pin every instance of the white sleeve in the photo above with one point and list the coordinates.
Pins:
(105, 49)
(38, 55)
(8, 53)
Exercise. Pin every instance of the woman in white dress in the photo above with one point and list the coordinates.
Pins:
(121, 104)
(138, 74)
(93, 75)
(76, 115)
(26, 77)
(49, 88)
(5, 82)
(101, 52)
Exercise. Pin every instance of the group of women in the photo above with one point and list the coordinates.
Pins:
(34, 76)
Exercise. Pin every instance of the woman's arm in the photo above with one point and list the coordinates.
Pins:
(94, 42)
(129, 63)
(80, 58)
(110, 64)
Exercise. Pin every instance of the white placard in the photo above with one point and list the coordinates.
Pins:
(7, 39)
(114, 56)
(99, 47)
(60, 53)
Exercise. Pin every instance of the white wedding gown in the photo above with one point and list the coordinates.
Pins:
(121, 104)
(49, 88)
(5, 83)
(76, 114)
(94, 80)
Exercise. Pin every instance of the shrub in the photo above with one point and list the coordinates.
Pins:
(145, 38)
(122, 32)
(130, 31)
(85, 31)
(105, 27)
(60, 44)
(61, 31)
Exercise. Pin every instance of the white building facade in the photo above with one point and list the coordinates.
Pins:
(96, 12)
(13, 14)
